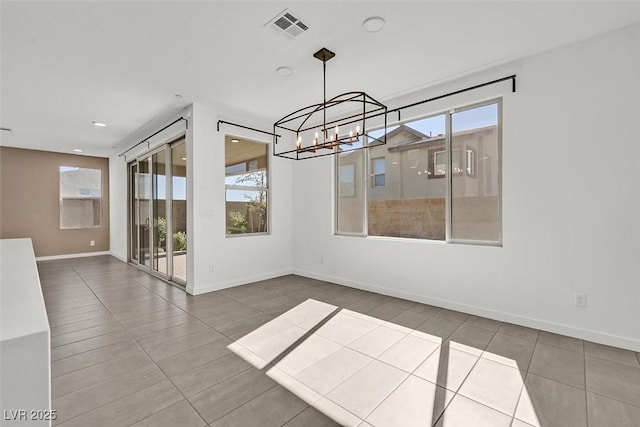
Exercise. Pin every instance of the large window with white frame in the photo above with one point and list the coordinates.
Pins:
(246, 186)
(438, 178)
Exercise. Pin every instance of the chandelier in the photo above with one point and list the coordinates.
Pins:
(330, 127)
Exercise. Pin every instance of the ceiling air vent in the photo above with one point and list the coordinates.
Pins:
(288, 23)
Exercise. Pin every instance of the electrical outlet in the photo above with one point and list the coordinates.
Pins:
(322, 260)
(581, 300)
(92, 243)
(210, 268)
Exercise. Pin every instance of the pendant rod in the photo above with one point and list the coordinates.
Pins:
(324, 104)
(324, 55)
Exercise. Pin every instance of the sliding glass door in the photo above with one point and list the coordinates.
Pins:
(158, 212)
(179, 210)
(159, 208)
(144, 212)
(133, 212)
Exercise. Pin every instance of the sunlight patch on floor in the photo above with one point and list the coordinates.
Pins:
(360, 371)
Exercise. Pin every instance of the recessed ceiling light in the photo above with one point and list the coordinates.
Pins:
(99, 124)
(373, 24)
(235, 141)
(77, 150)
(285, 71)
(183, 158)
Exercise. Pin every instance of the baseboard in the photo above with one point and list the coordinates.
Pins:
(68, 256)
(121, 258)
(558, 328)
(236, 282)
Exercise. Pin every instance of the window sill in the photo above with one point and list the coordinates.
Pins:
(424, 241)
(233, 236)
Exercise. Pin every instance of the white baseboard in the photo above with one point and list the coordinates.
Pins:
(68, 256)
(236, 282)
(121, 258)
(558, 328)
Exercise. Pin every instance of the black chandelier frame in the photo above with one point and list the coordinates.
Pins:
(305, 121)
(385, 113)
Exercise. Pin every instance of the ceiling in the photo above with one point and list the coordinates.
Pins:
(67, 64)
(239, 150)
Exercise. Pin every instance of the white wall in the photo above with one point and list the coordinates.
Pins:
(236, 260)
(118, 207)
(571, 197)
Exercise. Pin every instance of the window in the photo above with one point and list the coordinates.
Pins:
(80, 197)
(246, 182)
(347, 180)
(438, 178)
(378, 167)
(476, 195)
(350, 200)
(410, 204)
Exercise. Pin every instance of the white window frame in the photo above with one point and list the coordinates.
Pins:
(266, 188)
(80, 197)
(448, 149)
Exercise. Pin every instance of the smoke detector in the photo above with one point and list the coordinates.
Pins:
(288, 23)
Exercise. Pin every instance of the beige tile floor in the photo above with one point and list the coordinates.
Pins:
(128, 349)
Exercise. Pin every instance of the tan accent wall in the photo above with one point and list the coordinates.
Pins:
(30, 205)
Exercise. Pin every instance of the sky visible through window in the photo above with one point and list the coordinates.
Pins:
(470, 119)
(255, 179)
(179, 187)
(464, 120)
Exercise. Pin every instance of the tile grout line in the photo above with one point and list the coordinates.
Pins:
(242, 404)
(239, 373)
(149, 357)
(304, 409)
(448, 337)
(614, 399)
(159, 368)
(80, 330)
(524, 381)
(468, 373)
(86, 351)
(586, 400)
(106, 308)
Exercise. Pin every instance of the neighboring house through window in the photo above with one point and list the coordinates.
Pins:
(406, 199)
(80, 197)
(379, 172)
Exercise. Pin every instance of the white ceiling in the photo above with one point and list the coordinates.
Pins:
(66, 64)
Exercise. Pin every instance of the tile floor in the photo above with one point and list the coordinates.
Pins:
(128, 349)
